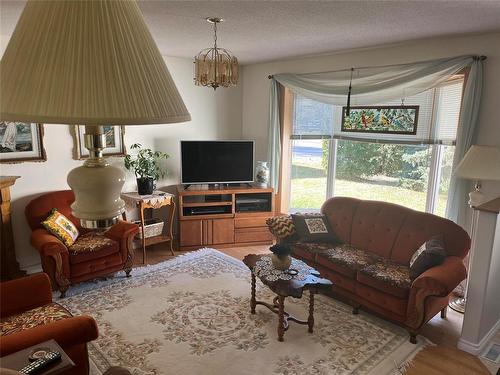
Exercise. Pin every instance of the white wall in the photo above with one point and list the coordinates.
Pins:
(256, 88)
(215, 115)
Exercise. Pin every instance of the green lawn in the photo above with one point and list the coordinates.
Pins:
(309, 192)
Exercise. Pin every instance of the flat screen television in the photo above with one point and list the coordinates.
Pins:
(217, 162)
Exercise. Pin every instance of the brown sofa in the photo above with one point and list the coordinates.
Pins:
(371, 268)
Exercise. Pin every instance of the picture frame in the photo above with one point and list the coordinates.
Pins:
(381, 119)
(115, 144)
(21, 142)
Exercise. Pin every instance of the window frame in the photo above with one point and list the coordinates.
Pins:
(285, 180)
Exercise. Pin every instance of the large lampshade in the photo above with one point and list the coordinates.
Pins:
(93, 63)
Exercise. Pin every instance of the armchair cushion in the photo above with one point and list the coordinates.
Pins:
(61, 227)
(33, 318)
(91, 242)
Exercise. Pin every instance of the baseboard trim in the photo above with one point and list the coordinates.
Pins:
(478, 348)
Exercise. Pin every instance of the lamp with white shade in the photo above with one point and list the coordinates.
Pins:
(89, 63)
(480, 163)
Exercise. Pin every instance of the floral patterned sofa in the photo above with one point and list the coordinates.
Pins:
(370, 269)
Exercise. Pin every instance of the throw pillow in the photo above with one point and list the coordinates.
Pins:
(281, 226)
(61, 227)
(430, 254)
(314, 228)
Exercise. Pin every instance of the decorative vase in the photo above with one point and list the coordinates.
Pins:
(262, 174)
(145, 186)
(281, 263)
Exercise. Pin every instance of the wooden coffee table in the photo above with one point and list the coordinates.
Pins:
(285, 285)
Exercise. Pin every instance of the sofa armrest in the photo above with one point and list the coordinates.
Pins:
(24, 294)
(437, 281)
(67, 332)
(46, 243)
(122, 230)
(444, 278)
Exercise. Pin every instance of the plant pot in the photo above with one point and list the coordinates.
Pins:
(281, 263)
(145, 186)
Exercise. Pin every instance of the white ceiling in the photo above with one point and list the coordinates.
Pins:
(257, 31)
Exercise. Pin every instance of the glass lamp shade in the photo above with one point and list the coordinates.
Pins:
(92, 63)
(215, 67)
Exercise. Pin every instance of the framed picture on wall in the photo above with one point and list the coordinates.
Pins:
(20, 142)
(381, 119)
(115, 145)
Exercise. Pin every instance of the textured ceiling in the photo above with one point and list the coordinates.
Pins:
(257, 31)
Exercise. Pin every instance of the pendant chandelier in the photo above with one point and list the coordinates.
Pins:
(215, 66)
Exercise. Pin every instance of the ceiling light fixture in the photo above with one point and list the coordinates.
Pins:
(215, 66)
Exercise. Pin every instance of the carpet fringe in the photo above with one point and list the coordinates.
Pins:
(402, 367)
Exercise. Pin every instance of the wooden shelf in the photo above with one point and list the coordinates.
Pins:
(207, 204)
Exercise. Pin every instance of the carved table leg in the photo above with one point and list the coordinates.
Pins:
(281, 317)
(310, 320)
(252, 299)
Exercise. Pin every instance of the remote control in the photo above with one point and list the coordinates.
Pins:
(41, 363)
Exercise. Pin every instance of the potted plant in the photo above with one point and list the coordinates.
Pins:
(146, 166)
(281, 258)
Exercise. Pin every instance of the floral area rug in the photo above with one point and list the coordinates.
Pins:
(191, 315)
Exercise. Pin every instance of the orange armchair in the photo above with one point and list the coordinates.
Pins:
(97, 256)
(28, 317)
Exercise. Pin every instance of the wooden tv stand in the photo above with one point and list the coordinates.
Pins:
(224, 216)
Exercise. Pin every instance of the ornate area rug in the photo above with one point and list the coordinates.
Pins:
(191, 315)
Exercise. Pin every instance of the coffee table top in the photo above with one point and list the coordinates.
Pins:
(281, 282)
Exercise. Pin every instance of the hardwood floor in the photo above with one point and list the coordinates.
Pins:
(444, 358)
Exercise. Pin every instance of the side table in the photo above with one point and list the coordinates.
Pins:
(154, 201)
(18, 360)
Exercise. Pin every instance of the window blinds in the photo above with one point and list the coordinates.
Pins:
(438, 117)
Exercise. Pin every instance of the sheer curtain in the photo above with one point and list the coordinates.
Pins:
(372, 85)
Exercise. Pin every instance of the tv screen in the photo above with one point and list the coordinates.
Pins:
(208, 162)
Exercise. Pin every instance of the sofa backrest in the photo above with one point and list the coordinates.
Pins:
(390, 230)
(39, 208)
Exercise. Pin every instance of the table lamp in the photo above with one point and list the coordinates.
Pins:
(479, 163)
(89, 63)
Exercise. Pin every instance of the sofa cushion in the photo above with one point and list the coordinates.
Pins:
(33, 318)
(281, 227)
(386, 276)
(430, 254)
(90, 246)
(345, 259)
(314, 228)
(308, 250)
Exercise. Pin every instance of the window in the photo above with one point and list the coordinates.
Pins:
(413, 171)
